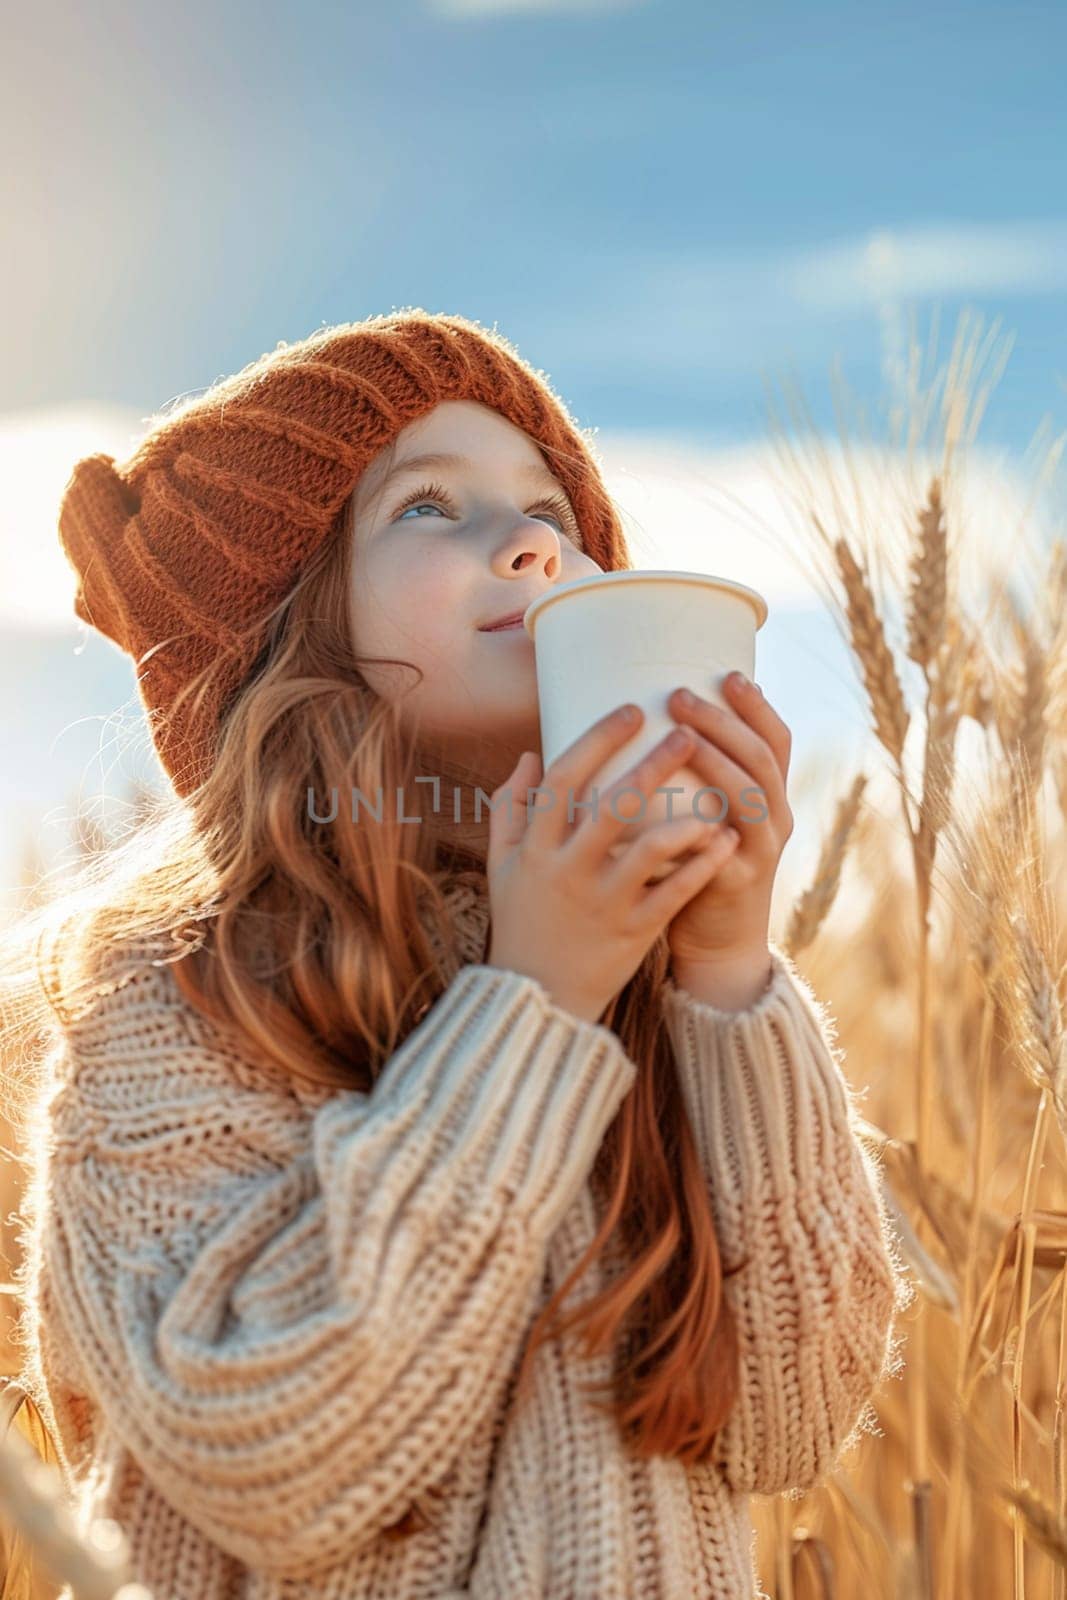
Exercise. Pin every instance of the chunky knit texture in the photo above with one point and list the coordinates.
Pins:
(184, 551)
(268, 1320)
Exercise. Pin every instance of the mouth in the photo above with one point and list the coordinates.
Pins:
(504, 624)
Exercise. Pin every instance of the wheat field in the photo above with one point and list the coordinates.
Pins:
(929, 923)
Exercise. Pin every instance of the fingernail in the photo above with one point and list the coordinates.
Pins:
(684, 698)
(739, 680)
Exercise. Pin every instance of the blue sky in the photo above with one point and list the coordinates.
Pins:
(667, 206)
(658, 201)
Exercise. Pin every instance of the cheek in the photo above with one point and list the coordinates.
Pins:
(413, 593)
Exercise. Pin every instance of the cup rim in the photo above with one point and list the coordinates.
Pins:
(641, 575)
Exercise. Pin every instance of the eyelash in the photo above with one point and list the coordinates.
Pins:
(437, 493)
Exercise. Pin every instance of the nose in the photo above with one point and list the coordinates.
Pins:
(531, 544)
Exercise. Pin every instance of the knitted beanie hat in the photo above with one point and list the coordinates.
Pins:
(190, 544)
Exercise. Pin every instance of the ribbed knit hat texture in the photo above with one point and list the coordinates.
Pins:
(184, 548)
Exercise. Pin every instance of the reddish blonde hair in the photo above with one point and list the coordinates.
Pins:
(305, 942)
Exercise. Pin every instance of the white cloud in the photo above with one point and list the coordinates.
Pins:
(38, 450)
(942, 258)
(684, 505)
(733, 312)
(728, 511)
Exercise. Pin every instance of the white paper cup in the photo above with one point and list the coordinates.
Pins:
(615, 637)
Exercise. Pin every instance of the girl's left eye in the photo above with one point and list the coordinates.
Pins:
(435, 494)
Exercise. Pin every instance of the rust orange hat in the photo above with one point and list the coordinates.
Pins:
(203, 531)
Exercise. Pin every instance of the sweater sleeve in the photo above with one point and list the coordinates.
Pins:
(296, 1322)
(796, 1197)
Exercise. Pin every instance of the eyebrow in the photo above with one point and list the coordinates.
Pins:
(531, 472)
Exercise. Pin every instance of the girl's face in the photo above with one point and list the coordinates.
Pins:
(440, 551)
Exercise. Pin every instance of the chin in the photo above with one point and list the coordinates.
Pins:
(514, 725)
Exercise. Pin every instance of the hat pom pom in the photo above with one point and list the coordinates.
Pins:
(96, 506)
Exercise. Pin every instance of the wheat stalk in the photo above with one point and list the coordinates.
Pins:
(1036, 1017)
(1021, 702)
(813, 906)
(868, 639)
(976, 693)
(945, 675)
(1047, 1529)
(929, 581)
(1056, 622)
(1042, 1522)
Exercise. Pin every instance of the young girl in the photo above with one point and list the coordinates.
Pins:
(426, 1203)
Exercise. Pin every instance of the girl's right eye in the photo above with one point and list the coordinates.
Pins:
(418, 505)
(429, 494)
(435, 494)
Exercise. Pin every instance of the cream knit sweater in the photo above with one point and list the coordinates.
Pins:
(265, 1321)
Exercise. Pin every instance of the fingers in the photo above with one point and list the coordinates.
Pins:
(734, 755)
(662, 903)
(761, 728)
(752, 704)
(668, 839)
(626, 798)
(570, 772)
(507, 813)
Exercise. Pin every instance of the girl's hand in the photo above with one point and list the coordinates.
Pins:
(726, 922)
(566, 912)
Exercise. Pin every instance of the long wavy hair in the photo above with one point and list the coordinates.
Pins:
(304, 941)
